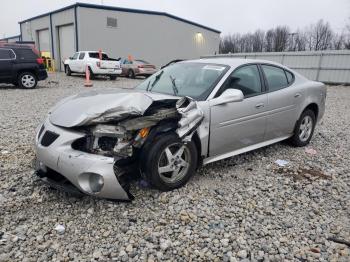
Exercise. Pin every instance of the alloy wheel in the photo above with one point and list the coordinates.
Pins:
(174, 162)
(28, 81)
(305, 129)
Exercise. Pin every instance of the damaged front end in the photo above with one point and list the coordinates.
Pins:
(113, 140)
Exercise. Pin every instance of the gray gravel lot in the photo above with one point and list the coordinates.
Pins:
(243, 208)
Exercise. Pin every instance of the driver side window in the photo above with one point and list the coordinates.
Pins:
(246, 79)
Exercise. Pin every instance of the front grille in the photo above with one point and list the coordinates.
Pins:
(48, 138)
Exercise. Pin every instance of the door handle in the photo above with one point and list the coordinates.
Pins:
(261, 105)
(297, 95)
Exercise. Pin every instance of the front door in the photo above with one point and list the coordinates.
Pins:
(237, 125)
(73, 63)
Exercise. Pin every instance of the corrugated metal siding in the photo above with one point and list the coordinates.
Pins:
(324, 66)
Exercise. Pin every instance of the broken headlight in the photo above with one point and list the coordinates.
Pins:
(112, 140)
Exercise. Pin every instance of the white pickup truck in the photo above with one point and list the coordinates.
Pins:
(96, 66)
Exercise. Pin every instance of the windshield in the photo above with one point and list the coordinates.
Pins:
(195, 80)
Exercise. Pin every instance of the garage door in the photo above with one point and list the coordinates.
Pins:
(66, 42)
(44, 40)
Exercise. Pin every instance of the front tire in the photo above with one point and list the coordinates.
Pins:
(169, 162)
(304, 129)
(67, 70)
(112, 77)
(27, 80)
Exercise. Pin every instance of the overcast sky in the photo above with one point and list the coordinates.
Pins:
(228, 16)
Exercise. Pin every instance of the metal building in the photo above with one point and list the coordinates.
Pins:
(121, 32)
(11, 39)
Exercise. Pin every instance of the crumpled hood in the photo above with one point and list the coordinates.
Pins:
(102, 106)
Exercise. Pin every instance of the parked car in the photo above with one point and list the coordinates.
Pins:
(172, 62)
(190, 113)
(21, 66)
(80, 60)
(137, 67)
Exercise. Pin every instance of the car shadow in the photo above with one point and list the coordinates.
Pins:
(13, 87)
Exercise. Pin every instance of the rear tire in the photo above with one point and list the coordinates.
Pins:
(67, 70)
(112, 77)
(304, 129)
(169, 163)
(27, 80)
(131, 74)
(92, 75)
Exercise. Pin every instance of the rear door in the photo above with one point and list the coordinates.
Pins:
(7, 58)
(283, 101)
(237, 125)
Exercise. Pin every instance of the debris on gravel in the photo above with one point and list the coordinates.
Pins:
(242, 208)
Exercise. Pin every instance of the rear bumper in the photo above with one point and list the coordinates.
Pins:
(103, 71)
(89, 173)
(42, 74)
(145, 72)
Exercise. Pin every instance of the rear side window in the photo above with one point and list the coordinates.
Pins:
(6, 54)
(96, 55)
(290, 77)
(26, 54)
(275, 77)
(81, 56)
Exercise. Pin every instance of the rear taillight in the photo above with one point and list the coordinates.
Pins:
(98, 64)
(40, 61)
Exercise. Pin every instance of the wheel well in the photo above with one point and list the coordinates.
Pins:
(313, 107)
(196, 140)
(26, 70)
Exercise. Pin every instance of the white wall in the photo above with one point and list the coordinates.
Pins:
(157, 39)
(325, 66)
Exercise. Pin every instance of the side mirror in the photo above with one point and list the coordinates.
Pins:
(228, 96)
(70, 58)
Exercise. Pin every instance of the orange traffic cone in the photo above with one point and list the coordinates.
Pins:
(87, 83)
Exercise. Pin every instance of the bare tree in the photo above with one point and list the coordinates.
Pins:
(347, 35)
(280, 38)
(320, 36)
(258, 40)
(300, 41)
(338, 41)
(269, 37)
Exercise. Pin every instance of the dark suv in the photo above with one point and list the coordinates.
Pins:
(21, 66)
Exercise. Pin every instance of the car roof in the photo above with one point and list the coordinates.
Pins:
(231, 61)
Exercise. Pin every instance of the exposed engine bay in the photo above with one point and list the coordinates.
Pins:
(120, 138)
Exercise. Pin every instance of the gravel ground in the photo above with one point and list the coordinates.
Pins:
(243, 208)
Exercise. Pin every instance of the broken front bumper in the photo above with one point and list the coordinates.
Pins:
(91, 174)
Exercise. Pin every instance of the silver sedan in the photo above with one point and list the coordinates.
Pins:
(186, 115)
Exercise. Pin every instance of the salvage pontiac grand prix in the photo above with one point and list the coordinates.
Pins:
(188, 114)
